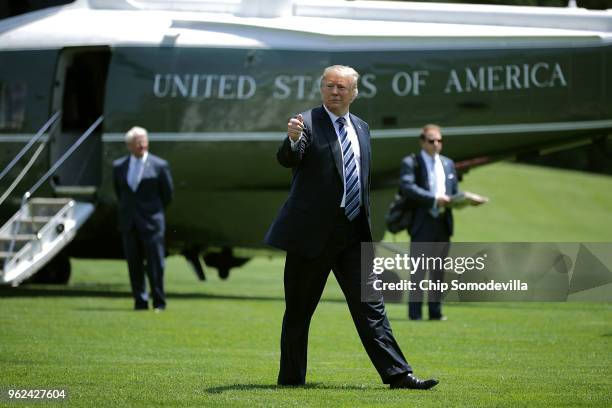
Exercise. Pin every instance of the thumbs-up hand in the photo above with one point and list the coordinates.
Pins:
(295, 127)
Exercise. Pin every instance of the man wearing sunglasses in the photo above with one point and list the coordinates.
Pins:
(429, 180)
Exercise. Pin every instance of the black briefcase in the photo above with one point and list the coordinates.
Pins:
(399, 215)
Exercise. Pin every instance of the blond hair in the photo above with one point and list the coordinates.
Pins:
(343, 70)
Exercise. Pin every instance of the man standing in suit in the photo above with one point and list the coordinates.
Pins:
(321, 226)
(143, 185)
(429, 181)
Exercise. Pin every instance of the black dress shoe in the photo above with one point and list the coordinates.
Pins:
(439, 318)
(413, 383)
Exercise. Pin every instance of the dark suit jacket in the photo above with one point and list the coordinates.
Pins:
(415, 186)
(306, 220)
(144, 208)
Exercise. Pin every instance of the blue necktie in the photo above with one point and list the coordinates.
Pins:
(133, 174)
(351, 178)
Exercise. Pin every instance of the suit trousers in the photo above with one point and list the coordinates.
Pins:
(145, 253)
(304, 282)
(432, 240)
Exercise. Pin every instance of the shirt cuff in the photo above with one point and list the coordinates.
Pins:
(435, 201)
(294, 145)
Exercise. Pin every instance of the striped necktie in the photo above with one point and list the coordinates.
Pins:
(351, 176)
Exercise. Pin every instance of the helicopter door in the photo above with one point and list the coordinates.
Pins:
(79, 93)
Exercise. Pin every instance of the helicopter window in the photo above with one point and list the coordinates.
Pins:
(389, 120)
(12, 105)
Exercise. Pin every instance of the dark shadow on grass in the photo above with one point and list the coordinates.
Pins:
(424, 321)
(274, 387)
(46, 291)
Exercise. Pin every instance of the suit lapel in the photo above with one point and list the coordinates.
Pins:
(448, 176)
(364, 148)
(146, 171)
(124, 169)
(424, 171)
(332, 139)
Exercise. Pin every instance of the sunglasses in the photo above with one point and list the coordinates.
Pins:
(433, 141)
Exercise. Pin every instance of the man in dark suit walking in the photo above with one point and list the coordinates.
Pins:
(429, 180)
(321, 226)
(143, 185)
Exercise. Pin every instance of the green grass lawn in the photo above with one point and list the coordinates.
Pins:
(218, 342)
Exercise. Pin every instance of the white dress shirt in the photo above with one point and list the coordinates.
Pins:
(435, 175)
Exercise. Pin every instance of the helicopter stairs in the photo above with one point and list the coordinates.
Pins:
(42, 227)
(36, 233)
